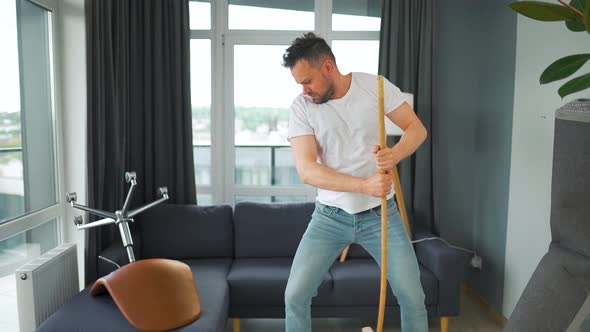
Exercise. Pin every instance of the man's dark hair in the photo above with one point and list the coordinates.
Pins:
(311, 48)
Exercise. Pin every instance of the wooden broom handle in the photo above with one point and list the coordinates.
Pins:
(402, 207)
(401, 204)
(382, 145)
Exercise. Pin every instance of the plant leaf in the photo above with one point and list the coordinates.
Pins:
(587, 15)
(575, 85)
(575, 26)
(543, 11)
(578, 4)
(563, 67)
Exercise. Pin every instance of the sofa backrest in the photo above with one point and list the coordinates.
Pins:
(179, 231)
(269, 230)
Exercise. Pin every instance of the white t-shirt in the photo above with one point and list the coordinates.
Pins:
(346, 130)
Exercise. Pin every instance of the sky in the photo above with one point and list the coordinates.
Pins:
(9, 81)
(259, 78)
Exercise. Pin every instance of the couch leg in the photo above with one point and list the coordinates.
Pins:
(444, 324)
(236, 322)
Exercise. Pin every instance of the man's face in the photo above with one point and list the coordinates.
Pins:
(315, 81)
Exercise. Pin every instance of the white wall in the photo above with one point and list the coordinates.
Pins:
(72, 52)
(528, 234)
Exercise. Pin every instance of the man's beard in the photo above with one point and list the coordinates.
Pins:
(326, 96)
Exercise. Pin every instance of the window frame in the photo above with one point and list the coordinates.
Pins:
(32, 219)
(222, 188)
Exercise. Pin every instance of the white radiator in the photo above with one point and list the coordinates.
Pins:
(45, 284)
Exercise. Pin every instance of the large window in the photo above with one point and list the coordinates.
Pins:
(261, 117)
(271, 15)
(27, 162)
(241, 94)
(30, 208)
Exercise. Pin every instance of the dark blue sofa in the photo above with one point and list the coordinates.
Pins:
(241, 264)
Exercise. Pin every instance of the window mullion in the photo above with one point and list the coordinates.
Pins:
(218, 121)
(323, 18)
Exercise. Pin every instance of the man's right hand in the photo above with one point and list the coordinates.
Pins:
(378, 185)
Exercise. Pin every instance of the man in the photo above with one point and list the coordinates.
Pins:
(333, 129)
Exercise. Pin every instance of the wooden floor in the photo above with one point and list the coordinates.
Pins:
(474, 318)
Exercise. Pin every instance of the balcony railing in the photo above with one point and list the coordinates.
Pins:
(255, 165)
(4, 150)
(11, 183)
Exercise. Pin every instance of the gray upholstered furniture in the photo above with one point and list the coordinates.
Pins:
(266, 238)
(241, 264)
(201, 237)
(561, 282)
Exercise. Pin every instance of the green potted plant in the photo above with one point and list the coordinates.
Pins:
(576, 15)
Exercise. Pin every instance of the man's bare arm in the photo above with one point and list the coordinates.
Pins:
(313, 173)
(414, 135)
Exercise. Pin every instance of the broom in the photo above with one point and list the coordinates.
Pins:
(402, 207)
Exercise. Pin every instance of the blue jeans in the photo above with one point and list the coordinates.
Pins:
(330, 230)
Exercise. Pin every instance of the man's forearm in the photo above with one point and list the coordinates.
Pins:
(411, 140)
(323, 177)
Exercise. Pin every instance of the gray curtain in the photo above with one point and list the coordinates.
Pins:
(405, 58)
(139, 108)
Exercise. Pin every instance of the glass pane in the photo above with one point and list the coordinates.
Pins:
(201, 109)
(204, 199)
(360, 15)
(289, 199)
(14, 253)
(261, 119)
(269, 15)
(201, 90)
(252, 166)
(10, 124)
(257, 199)
(346, 53)
(270, 199)
(199, 14)
(285, 172)
(27, 171)
(202, 155)
(12, 201)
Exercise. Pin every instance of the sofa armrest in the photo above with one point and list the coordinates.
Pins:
(445, 262)
(116, 253)
(449, 267)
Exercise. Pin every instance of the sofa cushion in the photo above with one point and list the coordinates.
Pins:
(357, 282)
(88, 313)
(186, 231)
(99, 313)
(262, 281)
(270, 230)
(211, 280)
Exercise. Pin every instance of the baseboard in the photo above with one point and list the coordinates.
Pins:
(488, 308)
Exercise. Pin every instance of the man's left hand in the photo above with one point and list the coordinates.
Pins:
(384, 158)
